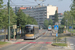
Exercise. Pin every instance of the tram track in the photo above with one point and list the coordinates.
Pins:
(32, 41)
(41, 46)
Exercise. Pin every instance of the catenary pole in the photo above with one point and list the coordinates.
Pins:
(9, 20)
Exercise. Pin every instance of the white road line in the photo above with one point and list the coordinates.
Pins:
(30, 44)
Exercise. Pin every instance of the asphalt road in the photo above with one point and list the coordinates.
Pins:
(71, 40)
(37, 44)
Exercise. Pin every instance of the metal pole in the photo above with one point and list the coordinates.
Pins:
(9, 20)
(72, 23)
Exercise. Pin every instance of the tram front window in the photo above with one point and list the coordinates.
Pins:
(28, 30)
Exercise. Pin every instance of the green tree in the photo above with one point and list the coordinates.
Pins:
(50, 22)
(1, 13)
(63, 22)
(1, 2)
(31, 20)
(56, 17)
(13, 17)
(24, 19)
(46, 23)
(21, 19)
(73, 9)
(68, 17)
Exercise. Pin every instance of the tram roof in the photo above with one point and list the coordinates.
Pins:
(31, 25)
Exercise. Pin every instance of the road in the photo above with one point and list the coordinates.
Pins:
(71, 40)
(37, 44)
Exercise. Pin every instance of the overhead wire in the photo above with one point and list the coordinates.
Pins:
(12, 2)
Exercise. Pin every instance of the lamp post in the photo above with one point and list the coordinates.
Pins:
(9, 20)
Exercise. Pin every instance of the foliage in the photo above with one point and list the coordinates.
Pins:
(68, 19)
(4, 17)
(63, 22)
(46, 23)
(50, 22)
(73, 9)
(56, 17)
(13, 17)
(1, 2)
(24, 19)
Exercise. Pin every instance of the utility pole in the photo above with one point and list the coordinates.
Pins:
(9, 20)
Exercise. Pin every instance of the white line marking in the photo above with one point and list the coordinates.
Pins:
(30, 44)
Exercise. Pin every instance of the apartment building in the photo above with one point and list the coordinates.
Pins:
(40, 13)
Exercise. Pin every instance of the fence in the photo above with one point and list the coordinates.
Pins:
(3, 33)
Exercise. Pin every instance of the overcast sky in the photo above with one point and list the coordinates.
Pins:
(63, 5)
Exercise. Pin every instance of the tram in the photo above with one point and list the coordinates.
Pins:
(31, 31)
(49, 28)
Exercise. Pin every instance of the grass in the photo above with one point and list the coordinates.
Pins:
(2, 43)
(59, 44)
(72, 31)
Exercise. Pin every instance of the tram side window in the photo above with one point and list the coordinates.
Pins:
(36, 30)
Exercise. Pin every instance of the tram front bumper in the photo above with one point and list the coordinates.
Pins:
(29, 37)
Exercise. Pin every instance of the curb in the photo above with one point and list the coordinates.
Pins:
(65, 47)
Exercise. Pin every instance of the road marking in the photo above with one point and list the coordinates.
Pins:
(30, 44)
(33, 42)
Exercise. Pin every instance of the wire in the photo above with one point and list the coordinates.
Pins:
(12, 2)
(28, 1)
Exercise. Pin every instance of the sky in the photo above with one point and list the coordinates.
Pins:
(63, 5)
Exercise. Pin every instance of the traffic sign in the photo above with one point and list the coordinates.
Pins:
(56, 34)
(70, 27)
(56, 27)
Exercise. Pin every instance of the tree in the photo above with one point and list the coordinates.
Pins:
(13, 17)
(46, 23)
(1, 2)
(24, 19)
(56, 17)
(50, 22)
(1, 13)
(63, 21)
(73, 9)
(21, 19)
(68, 17)
(31, 20)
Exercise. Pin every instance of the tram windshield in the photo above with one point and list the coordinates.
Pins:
(28, 29)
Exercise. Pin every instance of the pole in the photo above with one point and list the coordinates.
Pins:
(72, 23)
(14, 34)
(9, 20)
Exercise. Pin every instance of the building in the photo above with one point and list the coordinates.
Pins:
(40, 13)
(60, 17)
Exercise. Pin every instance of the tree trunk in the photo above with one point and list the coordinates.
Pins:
(5, 36)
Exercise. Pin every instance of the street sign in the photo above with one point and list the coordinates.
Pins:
(70, 27)
(56, 27)
(14, 26)
(56, 34)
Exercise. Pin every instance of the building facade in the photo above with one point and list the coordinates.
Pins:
(40, 13)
